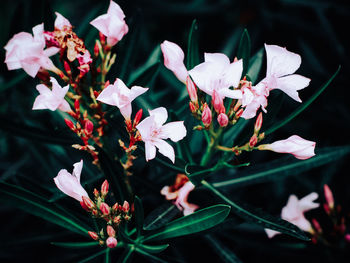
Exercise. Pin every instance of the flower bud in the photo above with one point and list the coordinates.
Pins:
(191, 89)
(110, 231)
(96, 49)
(329, 196)
(67, 68)
(217, 102)
(117, 220)
(102, 38)
(317, 225)
(206, 116)
(88, 203)
(96, 193)
(138, 117)
(104, 209)
(347, 238)
(77, 105)
(84, 206)
(89, 126)
(326, 209)
(111, 242)
(104, 188)
(107, 83)
(222, 119)
(70, 124)
(258, 123)
(115, 206)
(93, 235)
(239, 113)
(193, 108)
(128, 125)
(126, 206)
(253, 141)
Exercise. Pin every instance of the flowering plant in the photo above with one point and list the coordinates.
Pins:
(187, 154)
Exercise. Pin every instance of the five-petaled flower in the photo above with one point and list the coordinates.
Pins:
(112, 24)
(26, 51)
(294, 211)
(70, 183)
(121, 96)
(153, 132)
(51, 99)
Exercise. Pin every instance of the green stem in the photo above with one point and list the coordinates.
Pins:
(211, 149)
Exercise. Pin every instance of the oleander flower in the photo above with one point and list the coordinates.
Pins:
(112, 24)
(179, 192)
(70, 183)
(174, 59)
(294, 211)
(153, 132)
(301, 149)
(121, 96)
(62, 23)
(217, 73)
(51, 99)
(28, 52)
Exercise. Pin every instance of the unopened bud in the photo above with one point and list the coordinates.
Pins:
(117, 220)
(67, 68)
(111, 242)
(253, 141)
(89, 126)
(217, 102)
(104, 188)
(95, 212)
(127, 217)
(206, 116)
(317, 225)
(96, 193)
(107, 83)
(88, 202)
(326, 209)
(96, 49)
(115, 206)
(110, 231)
(128, 125)
(239, 113)
(329, 196)
(102, 38)
(77, 105)
(193, 108)
(191, 89)
(84, 206)
(237, 105)
(258, 123)
(104, 208)
(222, 119)
(138, 117)
(126, 206)
(93, 235)
(70, 124)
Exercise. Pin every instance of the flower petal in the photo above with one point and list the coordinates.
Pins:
(290, 84)
(160, 115)
(166, 149)
(150, 151)
(175, 130)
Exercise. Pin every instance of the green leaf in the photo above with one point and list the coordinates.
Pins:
(142, 252)
(196, 173)
(108, 255)
(33, 133)
(259, 217)
(13, 81)
(303, 106)
(153, 249)
(38, 206)
(75, 245)
(160, 216)
(127, 255)
(244, 50)
(222, 251)
(231, 134)
(255, 64)
(281, 168)
(93, 256)
(138, 215)
(198, 221)
(192, 47)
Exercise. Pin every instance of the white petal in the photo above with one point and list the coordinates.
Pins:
(150, 151)
(106, 95)
(233, 94)
(233, 73)
(160, 115)
(145, 128)
(175, 130)
(137, 91)
(290, 84)
(307, 202)
(166, 149)
(77, 169)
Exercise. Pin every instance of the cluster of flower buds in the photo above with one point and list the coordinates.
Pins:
(114, 216)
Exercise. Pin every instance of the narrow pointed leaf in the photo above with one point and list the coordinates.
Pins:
(160, 216)
(138, 215)
(192, 47)
(244, 50)
(156, 259)
(222, 251)
(153, 249)
(76, 245)
(198, 221)
(93, 256)
(255, 64)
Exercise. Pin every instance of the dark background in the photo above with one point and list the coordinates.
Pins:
(317, 30)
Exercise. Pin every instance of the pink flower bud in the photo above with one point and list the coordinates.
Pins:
(317, 225)
(301, 149)
(89, 126)
(326, 209)
(104, 188)
(107, 83)
(84, 206)
(117, 220)
(70, 124)
(93, 235)
(193, 108)
(110, 231)
(115, 206)
(126, 206)
(206, 116)
(67, 68)
(111, 242)
(138, 117)
(191, 89)
(104, 208)
(329, 196)
(77, 105)
(258, 123)
(88, 202)
(96, 49)
(239, 113)
(253, 141)
(217, 102)
(96, 193)
(222, 119)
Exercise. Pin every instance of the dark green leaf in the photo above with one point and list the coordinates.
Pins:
(76, 245)
(93, 256)
(108, 255)
(192, 47)
(153, 249)
(285, 167)
(13, 81)
(157, 259)
(198, 221)
(255, 64)
(222, 251)
(244, 50)
(160, 216)
(303, 106)
(138, 215)
(127, 255)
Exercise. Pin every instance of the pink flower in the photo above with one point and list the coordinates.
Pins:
(294, 211)
(62, 23)
(174, 59)
(26, 51)
(179, 192)
(121, 96)
(84, 62)
(253, 98)
(70, 183)
(301, 149)
(51, 99)
(217, 73)
(112, 24)
(153, 133)
(111, 242)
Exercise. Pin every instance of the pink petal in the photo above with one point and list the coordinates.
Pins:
(290, 84)
(166, 149)
(150, 151)
(271, 233)
(175, 130)
(115, 10)
(292, 210)
(126, 111)
(106, 95)
(61, 21)
(136, 91)
(168, 195)
(307, 202)
(160, 115)
(200, 75)
(77, 169)
(101, 23)
(64, 106)
(233, 94)
(145, 128)
(233, 73)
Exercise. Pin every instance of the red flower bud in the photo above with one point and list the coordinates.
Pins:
(88, 203)
(70, 124)
(217, 102)
(329, 196)
(253, 141)
(84, 206)
(104, 188)
(96, 50)
(77, 105)
(107, 83)
(102, 38)
(126, 206)
(317, 225)
(128, 125)
(117, 220)
(96, 193)
(191, 89)
(206, 116)
(115, 206)
(93, 235)
(258, 123)
(67, 68)
(193, 108)
(111, 242)
(138, 117)
(89, 126)
(104, 209)
(222, 119)
(110, 231)
(239, 113)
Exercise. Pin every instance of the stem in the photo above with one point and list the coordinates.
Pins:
(211, 149)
